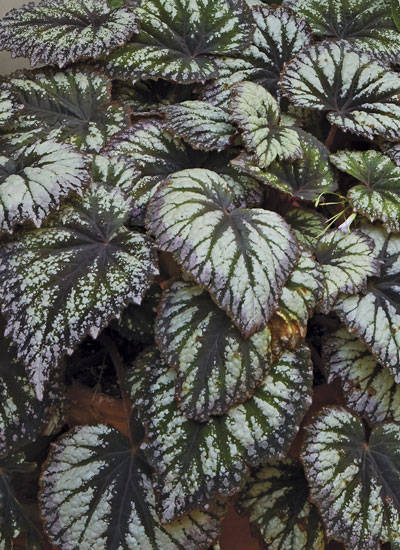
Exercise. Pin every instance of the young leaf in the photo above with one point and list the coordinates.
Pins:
(307, 225)
(347, 259)
(8, 105)
(367, 26)
(242, 257)
(200, 124)
(306, 177)
(96, 492)
(276, 498)
(375, 316)
(68, 280)
(166, 48)
(256, 112)
(369, 388)
(59, 32)
(354, 480)
(73, 106)
(35, 180)
(379, 196)
(360, 94)
(195, 461)
(217, 368)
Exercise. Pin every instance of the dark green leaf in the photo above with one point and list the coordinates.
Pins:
(307, 225)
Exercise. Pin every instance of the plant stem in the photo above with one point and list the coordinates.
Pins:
(331, 137)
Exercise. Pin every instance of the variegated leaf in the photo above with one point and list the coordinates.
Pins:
(200, 124)
(378, 198)
(256, 112)
(58, 32)
(8, 105)
(392, 150)
(241, 256)
(354, 478)
(96, 492)
(369, 388)
(307, 225)
(34, 181)
(360, 94)
(73, 106)
(347, 259)
(194, 461)
(375, 316)
(165, 48)
(367, 26)
(276, 497)
(306, 177)
(217, 368)
(62, 282)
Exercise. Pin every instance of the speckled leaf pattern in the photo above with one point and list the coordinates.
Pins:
(307, 225)
(73, 106)
(68, 280)
(243, 257)
(370, 389)
(165, 49)
(8, 105)
(256, 113)
(276, 499)
(354, 480)
(360, 94)
(375, 316)
(347, 259)
(200, 124)
(378, 198)
(58, 32)
(35, 180)
(217, 368)
(306, 177)
(194, 461)
(368, 26)
(97, 493)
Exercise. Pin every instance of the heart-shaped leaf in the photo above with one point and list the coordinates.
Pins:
(194, 461)
(96, 492)
(8, 105)
(379, 196)
(360, 94)
(34, 180)
(165, 49)
(217, 368)
(369, 388)
(58, 32)
(347, 259)
(63, 282)
(200, 124)
(375, 316)
(243, 257)
(73, 106)
(354, 479)
(256, 112)
(277, 501)
(367, 26)
(307, 225)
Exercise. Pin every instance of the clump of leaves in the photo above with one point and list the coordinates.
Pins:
(200, 274)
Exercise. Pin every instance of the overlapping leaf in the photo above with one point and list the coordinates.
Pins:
(256, 112)
(359, 94)
(369, 388)
(354, 480)
(8, 105)
(378, 198)
(347, 259)
(58, 32)
(60, 283)
(34, 180)
(243, 257)
(307, 225)
(165, 48)
(217, 368)
(368, 26)
(200, 124)
(194, 461)
(375, 316)
(276, 498)
(73, 106)
(97, 493)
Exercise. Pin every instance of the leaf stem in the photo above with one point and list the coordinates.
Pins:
(331, 136)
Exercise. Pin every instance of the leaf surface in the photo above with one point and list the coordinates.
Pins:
(307, 225)
(8, 105)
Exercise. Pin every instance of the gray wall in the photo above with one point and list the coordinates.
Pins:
(7, 64)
